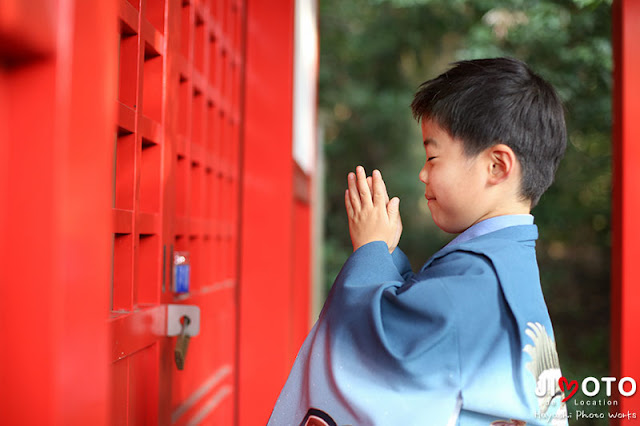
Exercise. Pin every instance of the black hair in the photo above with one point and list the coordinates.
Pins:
(484, 102)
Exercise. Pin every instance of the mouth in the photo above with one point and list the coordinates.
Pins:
(429, 197)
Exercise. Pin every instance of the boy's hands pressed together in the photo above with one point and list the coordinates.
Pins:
(372, 217)
(396, 239)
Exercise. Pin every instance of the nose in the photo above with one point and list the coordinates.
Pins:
(423, 174)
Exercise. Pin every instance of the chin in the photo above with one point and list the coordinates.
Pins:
(444, 226)
(450, 228)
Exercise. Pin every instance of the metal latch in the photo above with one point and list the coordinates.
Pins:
(182, 321)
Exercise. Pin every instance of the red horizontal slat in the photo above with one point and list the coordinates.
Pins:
(197, 226)
(152, 37)
(137, 330)
(181, 65)
(150, 129)
(182, 225)
(199, 82)
(148, 223)
(213, 94)
(208, 227)
(126, 117)
(214, 29)
(128, 14)
(122, 221)
(197, 153)
(181, 146)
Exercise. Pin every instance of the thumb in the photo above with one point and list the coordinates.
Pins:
(393, 210)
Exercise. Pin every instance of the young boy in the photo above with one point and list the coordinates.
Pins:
(467, 340)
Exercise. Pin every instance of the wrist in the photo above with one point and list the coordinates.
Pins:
(364, 243)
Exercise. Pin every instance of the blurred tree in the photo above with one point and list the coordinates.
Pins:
(374, 54)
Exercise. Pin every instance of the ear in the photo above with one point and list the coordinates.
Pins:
(502, 163)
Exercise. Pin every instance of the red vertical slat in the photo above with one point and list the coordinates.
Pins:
(55, 244)
(28, 240)
(301, 261)
(143, 387)
(136, 322)
(120, 392)
(625, 293)
(197, 204)
(266, 210)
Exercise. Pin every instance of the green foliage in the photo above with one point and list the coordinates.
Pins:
(375, 53)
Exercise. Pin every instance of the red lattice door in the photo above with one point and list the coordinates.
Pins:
(175, 190)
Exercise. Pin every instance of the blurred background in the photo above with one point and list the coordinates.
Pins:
(373, 56)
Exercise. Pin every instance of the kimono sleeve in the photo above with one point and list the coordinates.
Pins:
(402, 263)
(395, 340)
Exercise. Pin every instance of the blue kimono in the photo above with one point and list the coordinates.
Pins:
(465, 341)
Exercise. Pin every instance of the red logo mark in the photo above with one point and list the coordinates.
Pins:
(566, 386)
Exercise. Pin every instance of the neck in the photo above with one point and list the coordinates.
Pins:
(509, 209)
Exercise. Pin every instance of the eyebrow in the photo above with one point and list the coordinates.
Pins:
(429, 141)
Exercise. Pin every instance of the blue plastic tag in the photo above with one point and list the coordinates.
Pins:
(182, 278)
(181, 271)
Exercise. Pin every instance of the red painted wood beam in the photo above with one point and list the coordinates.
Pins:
(57, 97)
(625, 267)
(266, 240)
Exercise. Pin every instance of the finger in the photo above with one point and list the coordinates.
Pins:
(370, 184)
(398, 229)
(393, 210)
(354, 196)
(347, 204)
(380, 196)
(386, 194)
(366, 199)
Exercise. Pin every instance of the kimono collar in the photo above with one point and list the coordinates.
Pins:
(490, 225)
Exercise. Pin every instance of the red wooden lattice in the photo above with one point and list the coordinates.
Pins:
(121, 123)
(175, 189)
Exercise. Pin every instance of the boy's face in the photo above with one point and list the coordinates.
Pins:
(454, 183)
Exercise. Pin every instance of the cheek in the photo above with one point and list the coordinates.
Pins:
(444, 181)
(475, 181)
